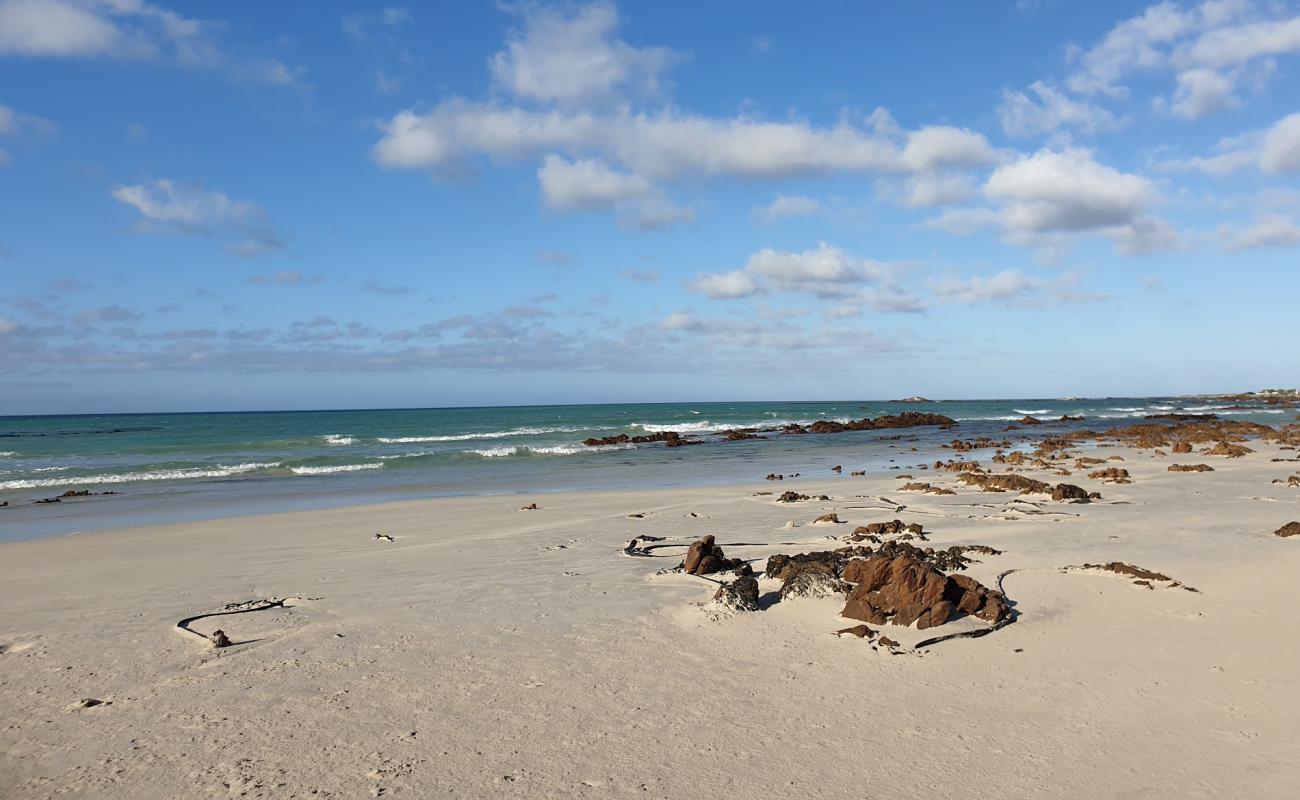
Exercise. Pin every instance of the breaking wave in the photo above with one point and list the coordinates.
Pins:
(190, 473)
(338, 438)
(333, 469)
(465, 437)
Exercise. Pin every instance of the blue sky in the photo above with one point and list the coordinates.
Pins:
(324, 205)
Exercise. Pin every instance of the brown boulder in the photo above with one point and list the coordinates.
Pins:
(1190, 468)
(704, 558)
(739, 595)
(903, 590)
(1182, 447)
(1068, 492)
(1288, 530)
(1111, 475)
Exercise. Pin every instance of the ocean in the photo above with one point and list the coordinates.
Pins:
(177, 467)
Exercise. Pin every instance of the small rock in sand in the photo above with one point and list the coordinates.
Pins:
(860, 631)
(739, 595)
(1288, 530)
(219, 639)
(828, 519)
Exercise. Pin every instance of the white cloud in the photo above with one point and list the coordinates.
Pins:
(1137, 42)
(395, 17)
(7, 326)
(1011, 288)
(1273, 150)
(1238, 44)
(13, 123)
(587, 184)
(126, 29)
(170, 207)
(935, 189)
(1280, 151)
(1003, 287)
(591, 185)
(560, 57)
(681, 321)
(937, 146)
(1210, 47)
(1202, 92)
(963, 221)
(784, 206)
(1067, 192)
(726, 285)
(824, 271)
(1270, 230)
(1050, 110)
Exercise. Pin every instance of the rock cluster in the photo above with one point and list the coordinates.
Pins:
(704, 558)
(907, 419)
(794, 497)
(875, 530)
(1111, 475)
(669, 438)
(1190, 468)
(903, 590)
(1229, 450)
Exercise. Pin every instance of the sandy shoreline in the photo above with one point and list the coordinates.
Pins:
(489, 651)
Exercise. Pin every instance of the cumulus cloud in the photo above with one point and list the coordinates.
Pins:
(559, 65)
(1202, 92)
(125, 29)
(170, 207)
(681, 321)
(1274, 150)
(1048, 110)
(1210, 47)
(1269, 230)
(726, 285)
(1068, 193)
(784, 206)
(587, 184)
(1003, 287)
(825, 272)
(569, 56)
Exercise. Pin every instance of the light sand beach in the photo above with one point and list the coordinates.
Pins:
(488, 651)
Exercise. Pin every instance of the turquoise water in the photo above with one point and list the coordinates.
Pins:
(167, 467)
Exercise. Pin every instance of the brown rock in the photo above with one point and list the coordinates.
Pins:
(1288, 530)
(1190, 468)
(1111, 475)
(704, 558)
(829, 519)
(903, 590)
(1067, 492)
(739, 595)
(219, 639)
(860, 631)
(1182, 447)
(1229, 450)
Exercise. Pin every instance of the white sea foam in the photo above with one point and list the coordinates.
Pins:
(553, 450)
(338, 438)
(190, 473)
(333, 469)
(1032, 411)
(8, 453)
(465, 437)
(705, 426)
